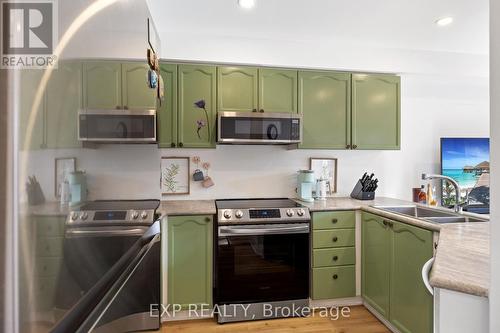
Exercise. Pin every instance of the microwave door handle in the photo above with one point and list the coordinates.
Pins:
(241, 231)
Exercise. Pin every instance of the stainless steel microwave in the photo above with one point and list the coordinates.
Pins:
(259, 128)
(117, 126)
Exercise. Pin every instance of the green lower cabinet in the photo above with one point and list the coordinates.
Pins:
(166, 115)
(375, 263)
(196, 126)
(333, 282)
(189, 248)
(411, 304)
(277, 90)
(333, 238)
(376, 121)
(325, 103)
(31, 119)
(335, 256)
(393, 254)
(333, 220)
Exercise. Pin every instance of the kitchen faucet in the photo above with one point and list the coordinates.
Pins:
(457, 208)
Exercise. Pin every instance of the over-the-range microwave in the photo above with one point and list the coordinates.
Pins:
(117, 126)
(259, 128)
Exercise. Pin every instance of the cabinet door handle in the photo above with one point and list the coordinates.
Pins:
(335, 258)
(354, 146)
(125, 107)
(348, 147)
(118, 107)
(335, 238)
(335, 276)
(207, 219)
(261, 110)
(388, 223)
(254, 110)
(172, 145)
(181, 144)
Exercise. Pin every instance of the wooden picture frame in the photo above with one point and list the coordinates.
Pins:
(174, 175)
(325, 168)
(62, 165)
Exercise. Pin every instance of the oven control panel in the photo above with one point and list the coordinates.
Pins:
(110, 216)
(262, 215)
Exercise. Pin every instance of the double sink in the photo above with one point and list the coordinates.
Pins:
(430, 214)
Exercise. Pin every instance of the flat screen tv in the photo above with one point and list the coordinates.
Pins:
(467, 160)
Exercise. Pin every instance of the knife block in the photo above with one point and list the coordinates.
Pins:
(358, 193)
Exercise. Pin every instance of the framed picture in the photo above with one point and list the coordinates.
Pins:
(63, 166)
(325, 168)
(174, 175)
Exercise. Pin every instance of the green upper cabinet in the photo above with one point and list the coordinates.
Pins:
(411, 303)
(375, 263)
(135, 92)
(31, 120)
(196, 126)
(277, 90)
(64, 100)
(325, 102)
(237, 89)
(167, 112)
(376, 122)
(189, 260)
(102, 85)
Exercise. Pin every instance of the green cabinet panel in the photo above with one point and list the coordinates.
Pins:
(278, 90)
(376, 111)
(102, 85)
(325, 103)
(333, 238)
(167, 112)
(333, 282)
(375, 262)
(31, 121)
(190, 260)
(135, 91)
(237, 89)
(333, 220)
(334, 257)
(64, 100)
(196, 82)
(411, 307)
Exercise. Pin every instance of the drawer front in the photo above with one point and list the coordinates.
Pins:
(333, 238)
(334, 282)
(49, 227)
(48, 266)
(49, 247)
(334, 257)
(45, 290)
(333, 220)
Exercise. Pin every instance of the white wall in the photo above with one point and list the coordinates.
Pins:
(495, 164)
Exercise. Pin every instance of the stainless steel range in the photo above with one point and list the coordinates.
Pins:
(262, 259)
(110, 274)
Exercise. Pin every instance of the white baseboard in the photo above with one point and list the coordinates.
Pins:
(184, 315)
(349, 301)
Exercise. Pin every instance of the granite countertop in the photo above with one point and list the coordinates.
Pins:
(187, 207)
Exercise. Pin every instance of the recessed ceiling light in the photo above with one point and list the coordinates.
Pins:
(444, 21)
(247, 4)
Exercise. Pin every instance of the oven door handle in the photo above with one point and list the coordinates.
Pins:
(253, 230)
(104, 232)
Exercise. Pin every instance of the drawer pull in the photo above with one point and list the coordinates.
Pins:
(335, 258)
(335, 239)
(335, 276)
(334, 221)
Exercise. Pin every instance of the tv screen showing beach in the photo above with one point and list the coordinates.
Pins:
(467, 160)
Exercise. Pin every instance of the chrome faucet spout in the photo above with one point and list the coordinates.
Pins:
(457, 207)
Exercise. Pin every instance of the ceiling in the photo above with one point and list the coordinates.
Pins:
(402, 24)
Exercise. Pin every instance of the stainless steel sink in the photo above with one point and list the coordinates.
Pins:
(430, 214)
(454, 219)
(416, 211)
